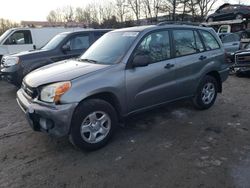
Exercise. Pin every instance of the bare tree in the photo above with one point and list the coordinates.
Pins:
(205, 7)
(55, 16)
(6, 24)
(121, 9)
(68, 13)
(135, 6)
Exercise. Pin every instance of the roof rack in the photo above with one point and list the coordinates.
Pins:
(180, 23)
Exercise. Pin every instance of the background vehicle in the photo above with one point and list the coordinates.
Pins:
(125, 72)
(23, 39)
(242, 61)
(62, 46)
(230, 41)
(228, 12)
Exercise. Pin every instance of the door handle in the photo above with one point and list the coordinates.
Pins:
(202, 57)
(169, 66)
(235, 44)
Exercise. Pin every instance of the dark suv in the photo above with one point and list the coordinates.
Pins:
(125, 72)
(62, 46)
(230, 12)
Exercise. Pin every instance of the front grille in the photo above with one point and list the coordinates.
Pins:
(29, 91)
(243, 59)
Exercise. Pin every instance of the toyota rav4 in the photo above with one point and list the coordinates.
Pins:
(125, 72)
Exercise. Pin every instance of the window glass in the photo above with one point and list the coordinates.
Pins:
(185, 42)
(19, 38)
(79, 42)
(156, 45)
(209, 41)
(54, 42)
(230, 38)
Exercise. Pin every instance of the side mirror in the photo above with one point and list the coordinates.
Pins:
(141, 61)
(65, 48)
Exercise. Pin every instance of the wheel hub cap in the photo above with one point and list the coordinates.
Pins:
(95, 127)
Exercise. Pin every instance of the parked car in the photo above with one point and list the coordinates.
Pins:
(242, 61)
(23, 39)
(229, 12)
(62, 46)
(125, 72)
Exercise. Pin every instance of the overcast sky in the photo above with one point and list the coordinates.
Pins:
(37, 10)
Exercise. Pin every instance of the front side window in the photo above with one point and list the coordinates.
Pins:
(186, 42)
(209, 40)
(79, 42)
(19, 38)
(156, 45)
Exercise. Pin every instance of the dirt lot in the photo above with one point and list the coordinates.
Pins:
(175, 146)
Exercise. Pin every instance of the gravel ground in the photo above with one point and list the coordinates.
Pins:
(174, 146)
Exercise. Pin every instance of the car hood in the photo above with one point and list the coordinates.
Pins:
(61, 71)
(32, 53)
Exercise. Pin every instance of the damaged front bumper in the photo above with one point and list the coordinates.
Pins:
(52, 119)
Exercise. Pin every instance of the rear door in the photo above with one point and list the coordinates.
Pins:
(155, 83)
(73, 47)
(19, 41)
(189, 53)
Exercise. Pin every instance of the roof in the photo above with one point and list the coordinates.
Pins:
(153, 27)
(86, 30)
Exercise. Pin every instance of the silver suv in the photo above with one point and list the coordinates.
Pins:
(124, 72)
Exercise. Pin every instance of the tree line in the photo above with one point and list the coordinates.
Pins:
(6, 24)
(119, 13)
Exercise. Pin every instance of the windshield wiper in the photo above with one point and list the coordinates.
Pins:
(87, 60)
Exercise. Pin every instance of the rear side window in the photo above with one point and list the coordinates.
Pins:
(156, 45)
(19, 38)
(187, 42)
(98, 35)
(209, 41)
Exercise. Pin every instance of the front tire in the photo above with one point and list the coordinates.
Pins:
(93, 124)
(206, 93)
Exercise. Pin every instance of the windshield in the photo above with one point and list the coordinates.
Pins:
(4, 35)
(110, 48)
(54, 42)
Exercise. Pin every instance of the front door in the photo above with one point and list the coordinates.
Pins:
(155, 83)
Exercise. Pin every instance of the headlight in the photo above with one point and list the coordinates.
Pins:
(53, 92)
(10, 61)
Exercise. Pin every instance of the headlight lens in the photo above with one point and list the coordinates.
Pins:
(10, 61)
(53, 92)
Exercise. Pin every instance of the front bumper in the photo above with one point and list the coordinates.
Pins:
(52, 119)
(9, 74)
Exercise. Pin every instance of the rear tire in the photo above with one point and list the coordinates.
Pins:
(206, 93)
(93, 124)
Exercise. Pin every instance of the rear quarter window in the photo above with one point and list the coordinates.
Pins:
(209, 40)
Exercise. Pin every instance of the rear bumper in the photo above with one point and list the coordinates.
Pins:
(52, 119)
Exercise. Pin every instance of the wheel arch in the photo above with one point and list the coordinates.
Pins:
(216, 75)
(109, 97)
